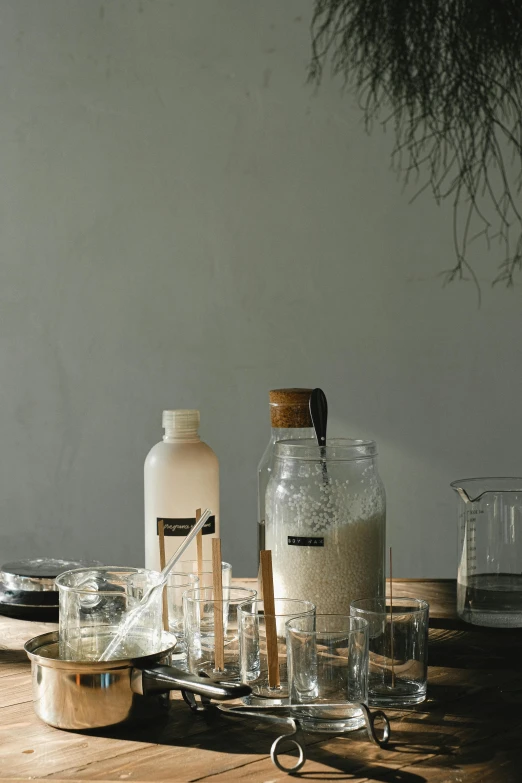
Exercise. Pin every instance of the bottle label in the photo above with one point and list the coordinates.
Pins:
(182, 527)
(305, 541)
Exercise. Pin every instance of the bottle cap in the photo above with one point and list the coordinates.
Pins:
(181, 421)
(290, 408)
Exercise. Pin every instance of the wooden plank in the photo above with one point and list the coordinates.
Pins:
(15, 633)
(16, 689)
(13, 661)
(29, 747)
(416, 738)
(499, 760)
(321, 764)
(200, 756)
(441, 594)
(170, 763)
(467, 730)
(191, 742)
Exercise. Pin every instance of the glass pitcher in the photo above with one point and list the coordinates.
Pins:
(489, 579)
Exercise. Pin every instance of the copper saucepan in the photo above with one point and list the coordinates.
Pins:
(81, 695)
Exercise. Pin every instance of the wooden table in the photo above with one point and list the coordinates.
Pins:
(468, 730)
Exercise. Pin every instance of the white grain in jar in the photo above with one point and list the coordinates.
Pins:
(326, 529)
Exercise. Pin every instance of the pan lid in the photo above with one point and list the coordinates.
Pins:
(31, 582)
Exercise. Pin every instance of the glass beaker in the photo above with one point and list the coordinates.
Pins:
(95, 601)
(325, 522)
(489, 579)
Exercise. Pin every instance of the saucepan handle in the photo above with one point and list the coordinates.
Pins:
(160, 679)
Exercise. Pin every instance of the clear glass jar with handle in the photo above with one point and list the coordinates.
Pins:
(325, 522)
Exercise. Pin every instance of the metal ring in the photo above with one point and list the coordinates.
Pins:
(386, 728)
(369, 719)
(293, 740)
(190, 699)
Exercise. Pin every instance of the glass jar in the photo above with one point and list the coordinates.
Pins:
(326, 523)
(290, 420)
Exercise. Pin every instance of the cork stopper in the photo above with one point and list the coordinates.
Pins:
(290, 408)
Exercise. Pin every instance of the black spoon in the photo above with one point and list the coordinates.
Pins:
(319, 416)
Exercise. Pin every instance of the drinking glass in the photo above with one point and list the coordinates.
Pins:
(95, 601)
(398, 649)
(205, 575)
(253, 646)
(328, 671)
(198, 609)
(177, 584)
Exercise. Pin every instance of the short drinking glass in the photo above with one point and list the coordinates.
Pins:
(398, 644)
(328, 671)
(253, 622)
(201, 610)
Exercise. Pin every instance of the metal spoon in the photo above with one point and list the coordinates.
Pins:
(319, 415)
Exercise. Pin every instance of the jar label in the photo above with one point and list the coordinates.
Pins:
(182, 527)
(305, 541)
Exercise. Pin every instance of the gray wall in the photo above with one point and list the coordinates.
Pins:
(186, 223)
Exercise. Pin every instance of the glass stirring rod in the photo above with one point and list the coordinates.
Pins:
(134, 615)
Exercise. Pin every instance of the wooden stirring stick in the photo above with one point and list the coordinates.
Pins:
(161, 531)
(199, 544)
(267, 580)
(391, 622)
(217, 581)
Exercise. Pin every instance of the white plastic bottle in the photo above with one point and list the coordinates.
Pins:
(181, 475)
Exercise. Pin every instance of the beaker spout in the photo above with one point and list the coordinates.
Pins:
(471, 490)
